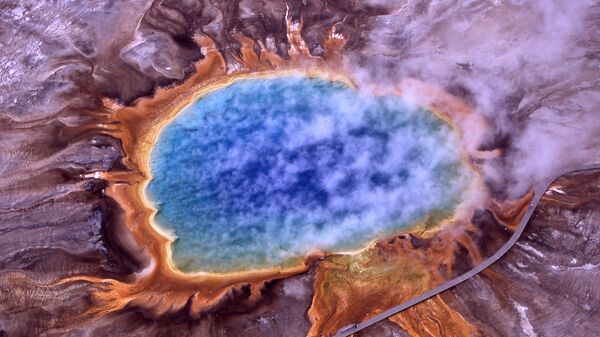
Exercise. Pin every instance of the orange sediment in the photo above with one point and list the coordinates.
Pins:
(433, 317)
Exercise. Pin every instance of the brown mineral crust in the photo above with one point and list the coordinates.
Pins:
(489, 234)
(383, 328)
(348, 17)
(281, 313)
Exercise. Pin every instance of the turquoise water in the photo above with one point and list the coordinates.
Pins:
(259, 173)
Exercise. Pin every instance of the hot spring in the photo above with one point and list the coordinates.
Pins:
(258, 174)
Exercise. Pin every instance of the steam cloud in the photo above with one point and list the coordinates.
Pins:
(531, 67)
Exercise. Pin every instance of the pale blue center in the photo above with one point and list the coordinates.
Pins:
(258, 174)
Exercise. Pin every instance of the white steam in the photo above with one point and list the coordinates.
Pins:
(531, 67)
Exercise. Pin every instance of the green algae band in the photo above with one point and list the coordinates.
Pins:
(262, 172)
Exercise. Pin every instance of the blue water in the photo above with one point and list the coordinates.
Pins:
(259, 173)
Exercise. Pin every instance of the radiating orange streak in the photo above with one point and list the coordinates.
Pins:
(433, 317)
